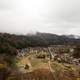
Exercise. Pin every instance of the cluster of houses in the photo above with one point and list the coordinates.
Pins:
(60, 53)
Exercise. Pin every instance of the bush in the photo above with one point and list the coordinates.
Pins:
(76, 53)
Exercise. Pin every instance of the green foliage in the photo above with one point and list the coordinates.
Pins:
(76, 53)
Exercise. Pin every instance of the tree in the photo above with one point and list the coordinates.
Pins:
(76, 53)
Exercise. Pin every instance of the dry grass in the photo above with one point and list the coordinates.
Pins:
(40, 69)
(65, 72)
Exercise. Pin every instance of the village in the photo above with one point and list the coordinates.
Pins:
(60, 53)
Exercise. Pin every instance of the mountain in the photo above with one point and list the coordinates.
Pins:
(73, 36)
(9, 43)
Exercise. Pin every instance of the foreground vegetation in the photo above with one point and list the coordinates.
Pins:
(40, 70)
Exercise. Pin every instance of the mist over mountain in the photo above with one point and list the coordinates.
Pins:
(9, 43)
(73, 36)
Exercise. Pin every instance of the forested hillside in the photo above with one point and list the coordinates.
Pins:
(9, 43)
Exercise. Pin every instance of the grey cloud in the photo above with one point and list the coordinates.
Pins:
(54, 16)
(5, 4)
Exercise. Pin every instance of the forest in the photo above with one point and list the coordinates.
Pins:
(9, 43)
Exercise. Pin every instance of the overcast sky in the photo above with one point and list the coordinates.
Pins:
(52, 16)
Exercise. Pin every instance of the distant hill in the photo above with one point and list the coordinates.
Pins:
(73, 36)
(9, 43)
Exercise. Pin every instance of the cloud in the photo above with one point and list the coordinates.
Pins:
(54, 16)
(5, 4)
